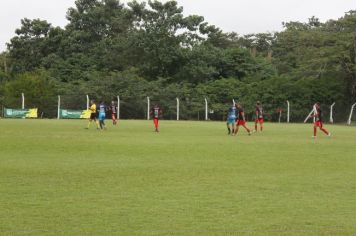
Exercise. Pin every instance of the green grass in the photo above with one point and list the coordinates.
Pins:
(56, 178)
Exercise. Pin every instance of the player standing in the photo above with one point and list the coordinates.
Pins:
(319, 120)
(156, 112)
(241, 121)
(231, 120)
(259, 116)
(93, 114)
(102, 115)
(113, 109)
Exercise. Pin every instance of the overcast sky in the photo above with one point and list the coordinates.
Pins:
(241, 16)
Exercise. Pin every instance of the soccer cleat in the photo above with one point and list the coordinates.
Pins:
(329, 135)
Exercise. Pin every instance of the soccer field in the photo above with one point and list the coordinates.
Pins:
(56, 178)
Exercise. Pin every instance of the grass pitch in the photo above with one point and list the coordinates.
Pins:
(56, 178)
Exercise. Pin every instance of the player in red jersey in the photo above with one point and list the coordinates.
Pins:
(241, 121)
(156, 112)
(113, 109)
(318, 120)
(259, 116)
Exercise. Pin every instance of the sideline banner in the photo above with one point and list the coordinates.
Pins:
(74, 114)
(20, 113)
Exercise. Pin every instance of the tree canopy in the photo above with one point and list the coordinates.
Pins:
(153, 49)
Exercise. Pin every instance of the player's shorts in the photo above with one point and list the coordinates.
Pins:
(318, 124)
(155, 121)
(102, 116)
(231, 121)
(93, 116)
(113, 116)
(259, 120)
(241, 122)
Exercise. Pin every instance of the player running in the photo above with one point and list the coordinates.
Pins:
(156, 112)
(113, 109)
(93, 114)
(102, 115)
(231, 120)
(319, 120)
(259, 116)
(241, 121)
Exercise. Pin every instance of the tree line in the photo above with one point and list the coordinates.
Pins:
(152, 49)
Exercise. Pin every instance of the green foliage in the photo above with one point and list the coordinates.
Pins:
(152, 49)
(39, 88)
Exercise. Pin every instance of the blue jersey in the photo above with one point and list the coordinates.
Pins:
(102, 108)
(232, 113)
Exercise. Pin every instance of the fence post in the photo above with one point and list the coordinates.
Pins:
(177, 108)
(59, 107)
(288, 111)
(206, 109)
(87, 102)
(23, 100)
(233, 102)
(118, 108)
(331, 113)
(352, 110)
(148, 108)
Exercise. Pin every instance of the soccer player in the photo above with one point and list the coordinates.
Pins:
(319, 120)
(102, 115)
(156, 112)
(241, 121)
(113, 109)
(259, 116)
(231, 120)
(93, 114)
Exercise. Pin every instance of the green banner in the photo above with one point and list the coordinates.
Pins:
(74, 114)
(20, 113)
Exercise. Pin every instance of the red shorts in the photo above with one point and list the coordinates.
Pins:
(260, 120)
(155, 121)
(113, 116)
(318, 124)
(241, 122)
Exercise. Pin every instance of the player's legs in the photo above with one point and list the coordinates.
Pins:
(256, 122)
(102, 121)
(228, 128)
(233, 125)
(261, 121)
(156, 123)
(237, 129)
(113, 117)
(247, 129)
(324, 130)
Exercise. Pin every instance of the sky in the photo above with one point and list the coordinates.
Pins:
(240, 16)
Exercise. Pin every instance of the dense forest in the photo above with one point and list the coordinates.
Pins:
(152, 49)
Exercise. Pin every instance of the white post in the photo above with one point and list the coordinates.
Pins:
(206, 109)
(23, 100)
(148, 108)
(352, 110)
(118, 108)
(306, 119)
(177, 108)
(87, 102)
(288, 111)
(59, 107)
(233, 102)
(331, 113)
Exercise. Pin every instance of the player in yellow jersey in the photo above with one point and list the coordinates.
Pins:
(93, 114)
